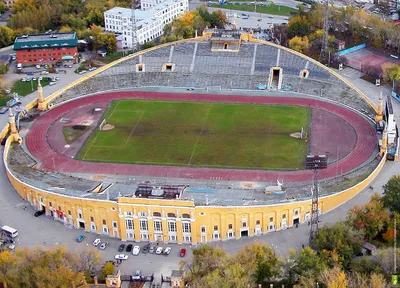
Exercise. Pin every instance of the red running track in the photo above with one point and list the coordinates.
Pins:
(36, 141)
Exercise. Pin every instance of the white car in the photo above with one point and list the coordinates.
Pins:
(159, 250)
(96, 242)
(37, 66)
(167, 251)
(135, 250)
(121, 257)
(52, 83)
(103, 245)
(44, 72)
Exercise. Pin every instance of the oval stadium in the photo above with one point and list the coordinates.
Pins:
(200, 140)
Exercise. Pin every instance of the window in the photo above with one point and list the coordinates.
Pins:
(104, 222)
(105, 230)
(284, 216)
(69, 212)
(80, 215)
(157, 226)
(203, 229)
(50, 204)
(128, 213)
(187, 216)
(142, 214)
(215, 228)
(225, 46)
(271, 219)
(230, 226)
(129, 224)
(114, 223)
(91, 219)
(171, 226)
(296, 212)
(244, 224)
(258, 222)
(59, 208)
(156, 214)
(41, 199)
(143, 225)
(186, 228)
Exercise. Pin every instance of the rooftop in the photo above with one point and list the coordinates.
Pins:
(47, 40)
(46, 36)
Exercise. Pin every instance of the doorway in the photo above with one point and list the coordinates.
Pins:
(244, 233)
(296, 221)
(81, 225)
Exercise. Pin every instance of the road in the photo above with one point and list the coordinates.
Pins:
(46, 232)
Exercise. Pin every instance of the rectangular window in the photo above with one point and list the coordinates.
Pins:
(186, 228)
(92, 219)
(258, 222)
(215, 228)
(50, 204)
(230, 226)
(69, 212)
(296, 212)
(157, 226)
(104, 222)
(171, 226)
(59, 208)
(271, 219)
(114, 223)
(203, 229)
(129, 224)
(284, 216)
(142, 214)
(143, 225)
(244, 224)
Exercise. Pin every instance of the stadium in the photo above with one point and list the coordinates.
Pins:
(193, 141)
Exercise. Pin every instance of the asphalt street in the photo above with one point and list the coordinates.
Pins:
(46, 232)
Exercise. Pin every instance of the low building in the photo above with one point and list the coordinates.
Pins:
(9, 3)
(46, 48)
(149, 23)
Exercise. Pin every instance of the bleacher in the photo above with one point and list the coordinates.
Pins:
(265, 59)
(182, 57)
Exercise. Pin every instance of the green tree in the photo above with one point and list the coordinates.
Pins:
(3, 68)
(6, 36)
(298, 26)
(107, 270)
(391, 197)
(148, 45)
(260, 261)
(2, 7)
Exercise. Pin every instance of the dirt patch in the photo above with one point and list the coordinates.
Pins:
(107, 127)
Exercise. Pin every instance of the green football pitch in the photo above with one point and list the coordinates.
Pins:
(199, 134)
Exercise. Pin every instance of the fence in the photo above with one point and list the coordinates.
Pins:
(351, 49)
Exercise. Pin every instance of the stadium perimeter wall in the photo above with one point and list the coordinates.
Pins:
(228, 220)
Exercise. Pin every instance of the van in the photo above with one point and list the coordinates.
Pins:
(10, 232)
(19, 66)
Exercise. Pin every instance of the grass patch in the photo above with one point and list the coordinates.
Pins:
(201, 135)
(271, 9)
(111, 57)
(72, 133)
(4, 100)
(25, 88)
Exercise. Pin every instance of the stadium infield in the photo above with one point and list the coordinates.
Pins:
(201, 134)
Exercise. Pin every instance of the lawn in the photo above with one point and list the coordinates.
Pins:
(25, 88)
(200, 135)
(271, 9)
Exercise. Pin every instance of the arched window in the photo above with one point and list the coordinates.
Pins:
(171, 215)
(156, 214)
(185, 216)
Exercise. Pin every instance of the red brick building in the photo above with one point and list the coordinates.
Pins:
(46, 48)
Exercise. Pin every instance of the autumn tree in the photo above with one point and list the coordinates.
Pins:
(2, 7)
(298, 26)
(391, 197)
(372, 218)
(8, 273)
(6, 36)
(299, 44)
(334, 278)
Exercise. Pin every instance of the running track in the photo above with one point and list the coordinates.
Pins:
(36, 141)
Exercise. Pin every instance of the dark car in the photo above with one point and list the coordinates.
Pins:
(38, 213)
(121, 247)
(129, 248)
(146, 248)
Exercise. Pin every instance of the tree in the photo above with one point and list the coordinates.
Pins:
(7, 268)
(391, 197)
(3, 68)
(148, 45)
(23, 5)
(340, 238)
(107, 270)
(298, 26)
(6, 36)
(372, 218)
(334, 278)
(299, 44)
(259, 260)
(2, 7)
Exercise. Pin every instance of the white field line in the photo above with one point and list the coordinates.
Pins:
(198, 137)
(133, 129)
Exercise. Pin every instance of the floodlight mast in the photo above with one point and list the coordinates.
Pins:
(315, 163)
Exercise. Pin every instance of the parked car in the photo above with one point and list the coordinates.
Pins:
(11, 247)
(82, 72)
(92, 68)
(44, 73)
(4, 109)
(121, 257)
(52, 83)
(152, 249)
(167, 251)
(96, 242)
(182, 253)
(121, 247)
(103, 245)
(38, 213)
(159, 250)
(138, 275)
(146, 248)
(34, 79)
(80, 238)
(129, 248)
(136, 250)
(38, 66)
(13, 102)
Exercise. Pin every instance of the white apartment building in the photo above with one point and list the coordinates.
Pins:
(149, 22)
